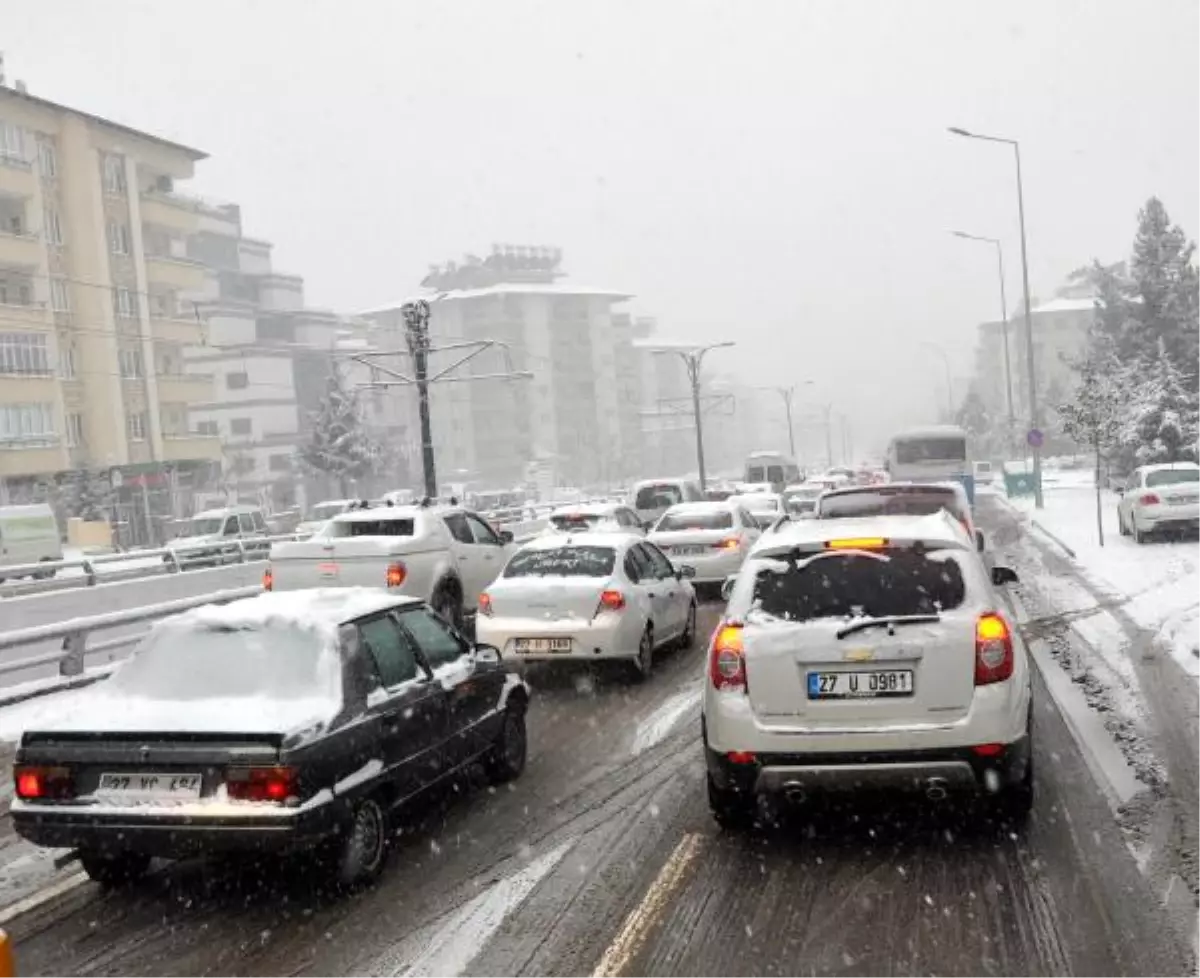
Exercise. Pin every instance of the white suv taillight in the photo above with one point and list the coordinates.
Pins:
(993, 649)
(726, 658)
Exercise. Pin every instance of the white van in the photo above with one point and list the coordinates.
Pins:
(212, 536)
(29, 535)
(653, 497)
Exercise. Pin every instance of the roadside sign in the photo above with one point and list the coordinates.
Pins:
(117, 478)
(1035, 438)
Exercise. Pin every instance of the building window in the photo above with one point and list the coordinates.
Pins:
(206, 428)
(135, 425)
(60, 297)
(53, 226)
(240, 426)
(74, 430)
(280, 463)
(131, 364)
(24, 354)
(164, 304)
(29, 423)
(125, 303)
(237, 381)
(12, 141)
(114, 174)
(66, 360)
(47, 160)
(118, 238)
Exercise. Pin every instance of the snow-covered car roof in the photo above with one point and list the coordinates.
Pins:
(1168, 466)
(935, 529)
(750, 499)
(602, 538)
(210, 514)
(956, 488)
(309, 607)
(806, 487)
(706, 506)
(410, 511)
(587, 509)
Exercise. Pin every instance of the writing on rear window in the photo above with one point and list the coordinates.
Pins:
(563, 562)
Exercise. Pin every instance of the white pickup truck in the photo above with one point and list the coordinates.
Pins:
(446, 555)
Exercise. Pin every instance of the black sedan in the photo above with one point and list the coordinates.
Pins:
(282, 722)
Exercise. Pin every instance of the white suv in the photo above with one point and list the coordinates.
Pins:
(867, 652)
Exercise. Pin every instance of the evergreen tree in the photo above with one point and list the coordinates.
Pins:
(973, 417)
(86, 494)
(1164, 283)
(1162, 424)
(338, 446)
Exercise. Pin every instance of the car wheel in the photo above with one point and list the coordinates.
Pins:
(114, 869)
(1015, 801)
(643, 665)
(733, 810)
(360, 851)
(1138, 536)
(688, 638)
(506, 760)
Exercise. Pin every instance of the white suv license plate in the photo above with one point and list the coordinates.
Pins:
(865, 684)
(168, 787)
(543, 644)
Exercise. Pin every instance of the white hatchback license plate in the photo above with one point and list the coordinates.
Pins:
(176, 787)
(859, 685)
(543, 644)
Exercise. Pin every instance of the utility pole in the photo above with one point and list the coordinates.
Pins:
(693, 359)
(416, 334)
(787, 393)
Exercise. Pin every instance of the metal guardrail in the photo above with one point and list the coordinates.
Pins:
(40, 578)
(75, 632)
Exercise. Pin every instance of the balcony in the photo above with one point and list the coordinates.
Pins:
(180, 274)
(17, 178)
(185, 388)
(170, 211)
(22, 313)
(28, 389)
(186, 448)
(189, 332)
(31, 458)
(23, 250)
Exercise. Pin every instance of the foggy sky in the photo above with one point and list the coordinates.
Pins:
(774, 173)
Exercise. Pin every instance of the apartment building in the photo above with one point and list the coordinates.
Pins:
(489, 429)
(94, 271)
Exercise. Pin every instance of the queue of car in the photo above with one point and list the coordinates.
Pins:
(861, 645)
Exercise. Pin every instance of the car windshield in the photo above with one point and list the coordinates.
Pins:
(570, 561)
(206, 526)
(196, 663)
(714, 520)
(383, 527)
(1170, 477)
(945, 449)
(888, 503)
(658, 496)
(837, 585)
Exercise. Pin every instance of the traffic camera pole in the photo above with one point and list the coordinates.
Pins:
(416, 334)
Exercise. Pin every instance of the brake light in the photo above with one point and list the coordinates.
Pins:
(261, 783)
(988, 750)
(611, 601)
(32, 783)
(396, 573)
(485, 604)
(1150, 499)
(993, 650)
(727, 660)
(857, 543)
(268, 580)
(729, 543)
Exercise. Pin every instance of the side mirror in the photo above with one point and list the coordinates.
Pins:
(487, 653)
(980, 543)
(685, 571)
(506, 536)
(727, 587)
(1004, 575)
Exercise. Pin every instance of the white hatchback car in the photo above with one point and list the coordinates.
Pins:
(588, 597)
(713, 538)
(867, 652)
(1160, 498)
(595, 517)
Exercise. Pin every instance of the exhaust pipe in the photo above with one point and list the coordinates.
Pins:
(794, 792)
(935, 789)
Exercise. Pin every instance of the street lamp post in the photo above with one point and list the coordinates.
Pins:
(693, 359)
(1031, 375)
(1008, 389)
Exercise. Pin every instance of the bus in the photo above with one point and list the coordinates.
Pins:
(771, 467)
(932, 454)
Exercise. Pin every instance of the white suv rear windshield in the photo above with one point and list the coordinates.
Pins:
(370, 528)
(900, 582)
(656, 497)
(563, 562)
(1168, 477)
(890, 502)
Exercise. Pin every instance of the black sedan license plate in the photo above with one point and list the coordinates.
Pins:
(867, 683)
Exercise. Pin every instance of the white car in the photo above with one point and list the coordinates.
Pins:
(862, 653)
(653, 497)
(1160, 498)
(592, 517)
(587, 598)
(322, 513)
(712, 538)
(801, 500)
(765, 507)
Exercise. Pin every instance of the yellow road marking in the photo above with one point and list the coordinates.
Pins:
(633, 933)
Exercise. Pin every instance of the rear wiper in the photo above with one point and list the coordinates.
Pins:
(887, 621)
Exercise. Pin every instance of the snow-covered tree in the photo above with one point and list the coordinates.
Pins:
(1164, 283)
(987, 434)
(1161, 425)
(338, 445)
(86, 494)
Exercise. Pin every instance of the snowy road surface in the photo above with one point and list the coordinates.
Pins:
(602, 858)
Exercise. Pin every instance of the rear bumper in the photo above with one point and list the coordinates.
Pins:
(174, 836)
(953, 769)
(1167, 517)
(599, 638)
